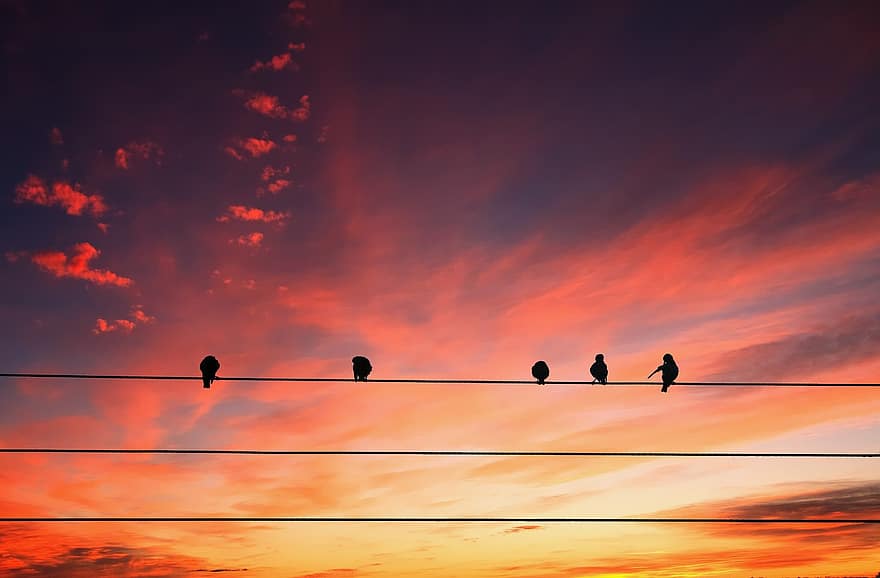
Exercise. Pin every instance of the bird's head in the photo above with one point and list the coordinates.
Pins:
(667, 357)
(600, 357)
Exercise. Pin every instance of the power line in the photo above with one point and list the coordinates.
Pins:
(455, 520)
(459, 453)
(431, 380)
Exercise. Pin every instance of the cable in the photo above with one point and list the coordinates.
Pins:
(461, 453)
(458, 519)
(437, 381)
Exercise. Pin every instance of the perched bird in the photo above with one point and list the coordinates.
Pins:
(361, 367)
(209, 367)
(599, 370)
(669, 371)
(540, 371)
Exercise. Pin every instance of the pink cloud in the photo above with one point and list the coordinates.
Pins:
(276, 63)
(296, 46)
(144, 150)
(297, 5)
(304, 111)
(267, 105)
(257, 146)
(70, 197)
(269, 172)
(289, 138)
(253, 240)
(137, 317)
(278, 185)
(233, 153)
(104, 227)
(243, 213)
(77, 266)
(55, 136)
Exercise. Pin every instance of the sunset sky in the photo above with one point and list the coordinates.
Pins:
(454, 189)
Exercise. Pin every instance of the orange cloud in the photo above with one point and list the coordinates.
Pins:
(138, 150)
(266, 105)
(77, 266)
(269, 172)
(138, 317)
(243, 213)
(278, 185)
(253, 240)
(258, 147)
(304, 110)
(70, 197)
(276, 63)
(255, 147)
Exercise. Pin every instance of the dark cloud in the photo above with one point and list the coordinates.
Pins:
(854, 339)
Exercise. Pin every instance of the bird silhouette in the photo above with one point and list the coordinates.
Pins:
(209, 366)
(361, 367)
(540, 371)
(669, 371)
(599, 370)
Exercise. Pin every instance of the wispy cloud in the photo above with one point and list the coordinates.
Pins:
(77, 266)
(70, 197)
(137, 317)
(138, 150)
(252, 240)
(244, 213)
(276, 63)
(255, 147)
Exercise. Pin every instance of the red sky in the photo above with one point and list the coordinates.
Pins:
(454, 190)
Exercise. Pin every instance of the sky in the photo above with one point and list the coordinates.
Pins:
(455, 190)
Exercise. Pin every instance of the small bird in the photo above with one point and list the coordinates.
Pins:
(209, 366)
(669, 371)
(361, 367)
(540, 371)
(599, 370)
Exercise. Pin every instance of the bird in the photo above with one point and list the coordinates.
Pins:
(361, 367)
(540, 371)
(599, 370)
(669, 371)
(209, 366)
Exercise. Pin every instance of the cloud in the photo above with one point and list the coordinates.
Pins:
(297, 5)
(304, 110)
(857, 500)
(50, 561)
(35, 190)
(243, 213)
(137, 317)
(144, 150)
(289, 138)
(271, 106)
(296, 46)
(103, 326)
(272, 177)
(267, 105)
(258, 147)
(233, 153)
(77, 266)
(55, 136)
(250, 240)
(819, 350)
(255, 147)
(278, 185)
(276, 63)
(524, 528)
